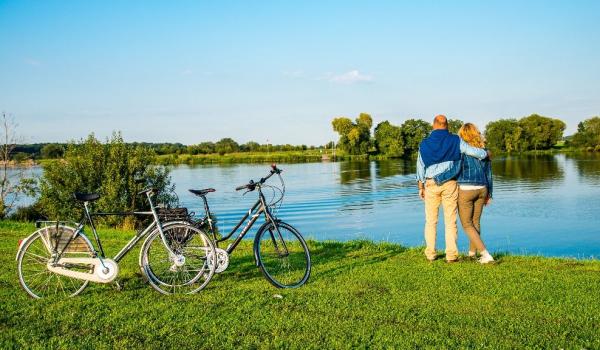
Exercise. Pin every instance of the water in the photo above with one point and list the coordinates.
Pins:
(545, 205)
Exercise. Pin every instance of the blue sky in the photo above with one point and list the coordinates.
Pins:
(177, 71)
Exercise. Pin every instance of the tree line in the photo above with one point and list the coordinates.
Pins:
(530, 133)
(22, 152)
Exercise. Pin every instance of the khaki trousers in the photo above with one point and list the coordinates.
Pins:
(447, 196)
(470, 206)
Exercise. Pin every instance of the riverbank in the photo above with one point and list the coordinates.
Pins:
(360, 295)
(307, 156)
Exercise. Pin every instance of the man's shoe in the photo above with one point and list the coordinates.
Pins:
(452, 261)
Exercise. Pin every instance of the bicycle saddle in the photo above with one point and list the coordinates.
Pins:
(202, 192)
(86, 197)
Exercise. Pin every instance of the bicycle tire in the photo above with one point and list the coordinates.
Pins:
(161, 271)
(275, 267)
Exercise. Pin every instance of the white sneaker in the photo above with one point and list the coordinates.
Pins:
(486, 259)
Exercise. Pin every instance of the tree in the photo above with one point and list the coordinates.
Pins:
(226, 145)
(52, 151)
(13, 181)
(110, 169)
(588, 134)
(388, 139)
(250, 146)
(541, 132)
(355, 138)
(413, 132)
(454, 125)
(504, 135)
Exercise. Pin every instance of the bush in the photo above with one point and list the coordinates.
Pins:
(109, 169)
(29, 213)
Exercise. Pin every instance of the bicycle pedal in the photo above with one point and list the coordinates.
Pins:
(118, 286)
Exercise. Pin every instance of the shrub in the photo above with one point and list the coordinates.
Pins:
(109, 169)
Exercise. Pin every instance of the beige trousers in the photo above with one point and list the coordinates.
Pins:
(447, 196)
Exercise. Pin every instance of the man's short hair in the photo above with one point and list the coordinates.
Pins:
(440, 121)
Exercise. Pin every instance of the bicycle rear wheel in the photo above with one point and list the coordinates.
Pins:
(189, 271)
(282, 255)
(36, 252)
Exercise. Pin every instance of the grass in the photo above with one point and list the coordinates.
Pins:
(255, 157)
(360, 295)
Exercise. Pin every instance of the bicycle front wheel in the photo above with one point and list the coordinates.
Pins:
(282, 255)
(35, 254)
(186, 272)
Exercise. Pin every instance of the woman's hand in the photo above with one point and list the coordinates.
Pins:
(488, 200)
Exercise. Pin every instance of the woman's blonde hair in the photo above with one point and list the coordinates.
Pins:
(471, 135)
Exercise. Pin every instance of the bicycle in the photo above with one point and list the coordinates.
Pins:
(279, 249)
(58, 259)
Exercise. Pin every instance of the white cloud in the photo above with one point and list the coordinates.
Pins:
(351, 77)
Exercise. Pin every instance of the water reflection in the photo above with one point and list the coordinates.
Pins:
(385, 168)
(587, 165)
(356, 170)
(530, 168)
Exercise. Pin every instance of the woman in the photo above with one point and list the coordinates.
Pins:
(474, 191)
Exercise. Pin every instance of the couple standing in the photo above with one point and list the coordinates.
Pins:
(454, 171)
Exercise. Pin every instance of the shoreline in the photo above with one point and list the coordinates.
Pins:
(20, 225)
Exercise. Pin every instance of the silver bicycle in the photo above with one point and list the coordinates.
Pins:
(58, 259)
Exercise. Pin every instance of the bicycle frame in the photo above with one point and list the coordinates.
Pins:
(260, 207)
(100, 254)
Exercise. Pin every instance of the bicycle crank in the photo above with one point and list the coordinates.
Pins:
(222, 260)
(99, 273)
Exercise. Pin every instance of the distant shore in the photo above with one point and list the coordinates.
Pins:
(308, 156)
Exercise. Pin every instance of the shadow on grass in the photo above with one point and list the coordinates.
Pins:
(335, 258)
(328, 259)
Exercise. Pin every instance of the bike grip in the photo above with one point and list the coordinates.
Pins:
(241, 187)
(275, 169)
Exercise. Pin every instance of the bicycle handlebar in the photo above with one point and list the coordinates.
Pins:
(250, 186)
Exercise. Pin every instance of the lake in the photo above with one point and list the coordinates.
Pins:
(544, 205)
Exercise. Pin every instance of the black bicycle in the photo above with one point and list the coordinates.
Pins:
(279, 249)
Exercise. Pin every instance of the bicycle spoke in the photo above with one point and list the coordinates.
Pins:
(284, 257)
(33, 258)
(176, 274)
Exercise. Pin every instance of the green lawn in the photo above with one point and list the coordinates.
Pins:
(360, 295)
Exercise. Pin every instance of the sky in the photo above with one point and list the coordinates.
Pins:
(280, 71)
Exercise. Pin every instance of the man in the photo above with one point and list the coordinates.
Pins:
(440, 153)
